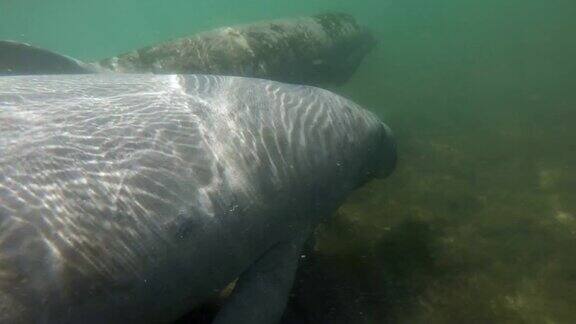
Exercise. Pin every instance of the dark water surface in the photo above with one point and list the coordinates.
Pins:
(478, 224)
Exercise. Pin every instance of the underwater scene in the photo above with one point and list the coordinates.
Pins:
(476, 224)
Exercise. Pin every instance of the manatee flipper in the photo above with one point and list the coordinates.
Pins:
(23, 59)
(262, 291)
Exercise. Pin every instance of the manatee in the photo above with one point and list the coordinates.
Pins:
(130, 198)
(324, 49)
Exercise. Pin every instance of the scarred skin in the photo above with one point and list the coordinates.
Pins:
(131, 198)
(322, 49)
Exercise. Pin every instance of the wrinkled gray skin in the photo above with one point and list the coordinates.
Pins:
(320, 50)
(131, 198)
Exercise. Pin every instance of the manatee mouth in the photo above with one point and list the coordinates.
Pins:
(389, 153)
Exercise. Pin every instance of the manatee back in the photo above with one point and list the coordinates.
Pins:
(144, 143)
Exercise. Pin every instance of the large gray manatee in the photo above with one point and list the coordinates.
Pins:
(132, 198)
(324, 49)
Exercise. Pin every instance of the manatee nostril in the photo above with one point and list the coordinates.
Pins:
(389, 152)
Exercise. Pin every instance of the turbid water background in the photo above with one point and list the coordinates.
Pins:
(478, 224)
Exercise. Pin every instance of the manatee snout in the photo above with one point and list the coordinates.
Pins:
(388, 153)
(380, 154)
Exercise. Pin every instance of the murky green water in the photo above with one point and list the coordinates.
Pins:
(478, 224)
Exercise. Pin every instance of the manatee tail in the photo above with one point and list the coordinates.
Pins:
(23, 59)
